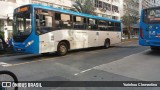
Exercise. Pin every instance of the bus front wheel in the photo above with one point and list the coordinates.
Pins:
(62, 49)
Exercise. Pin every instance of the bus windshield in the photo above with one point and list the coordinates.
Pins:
(152, 15)
(22, 24)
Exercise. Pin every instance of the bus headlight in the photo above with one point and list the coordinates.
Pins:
(29, 43)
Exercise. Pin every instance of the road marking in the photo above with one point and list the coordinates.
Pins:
(3, 64)
(99, 66)
(35, 61)
(83, 71)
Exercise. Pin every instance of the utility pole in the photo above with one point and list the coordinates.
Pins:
(111, 9)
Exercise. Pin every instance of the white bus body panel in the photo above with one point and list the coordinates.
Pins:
(77, 38)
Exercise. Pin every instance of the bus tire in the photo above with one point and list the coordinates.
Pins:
(62, 49)
(45, 54)
(154, 48)
(107, 43)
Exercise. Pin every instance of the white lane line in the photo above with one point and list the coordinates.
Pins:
(87, 70)
(3, 64)
(17, 64)
(36, 61)
(83, 71)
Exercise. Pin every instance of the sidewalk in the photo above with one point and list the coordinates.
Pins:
(132, 39)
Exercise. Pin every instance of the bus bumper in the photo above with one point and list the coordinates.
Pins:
(144, 42)
(20, 48)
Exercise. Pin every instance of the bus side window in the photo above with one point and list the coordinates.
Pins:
(85, 22)
(102, 25)
(66, 21)
(117, 26)
(57, 20)
(62, 21)
(78, 23)
(93, 24)
(110, 26)
(44, 21)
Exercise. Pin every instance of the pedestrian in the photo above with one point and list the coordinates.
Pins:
(3, 44)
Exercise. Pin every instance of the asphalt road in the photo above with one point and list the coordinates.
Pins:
(122, 62)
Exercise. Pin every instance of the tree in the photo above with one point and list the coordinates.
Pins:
(1, 32)
(86, 6)
(131, 14)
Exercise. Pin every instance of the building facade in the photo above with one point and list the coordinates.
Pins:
(109, 8)
(157, 2)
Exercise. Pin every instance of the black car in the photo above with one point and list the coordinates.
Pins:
(3, 44)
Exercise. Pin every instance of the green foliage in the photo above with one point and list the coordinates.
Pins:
(131, 14)
(2, 34)
(86, 6)
(129, 20)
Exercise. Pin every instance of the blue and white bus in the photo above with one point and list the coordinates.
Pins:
(39, 29)
(149, 34)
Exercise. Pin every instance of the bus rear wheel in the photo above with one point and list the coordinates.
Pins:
(107, 44)
(154, 48)
(62, 49)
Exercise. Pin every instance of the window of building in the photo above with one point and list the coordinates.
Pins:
(45, 3)
(115, 9)
(13, 1)
(100, 4)
(96, 3)
(108, 7)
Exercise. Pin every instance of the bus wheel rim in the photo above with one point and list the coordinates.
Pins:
(62, 49)
(107, 44)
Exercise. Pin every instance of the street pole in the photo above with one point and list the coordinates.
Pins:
(111, 9)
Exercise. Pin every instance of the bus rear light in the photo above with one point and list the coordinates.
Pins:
(141, 33)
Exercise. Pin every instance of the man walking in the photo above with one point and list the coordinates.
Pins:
(3, 44)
